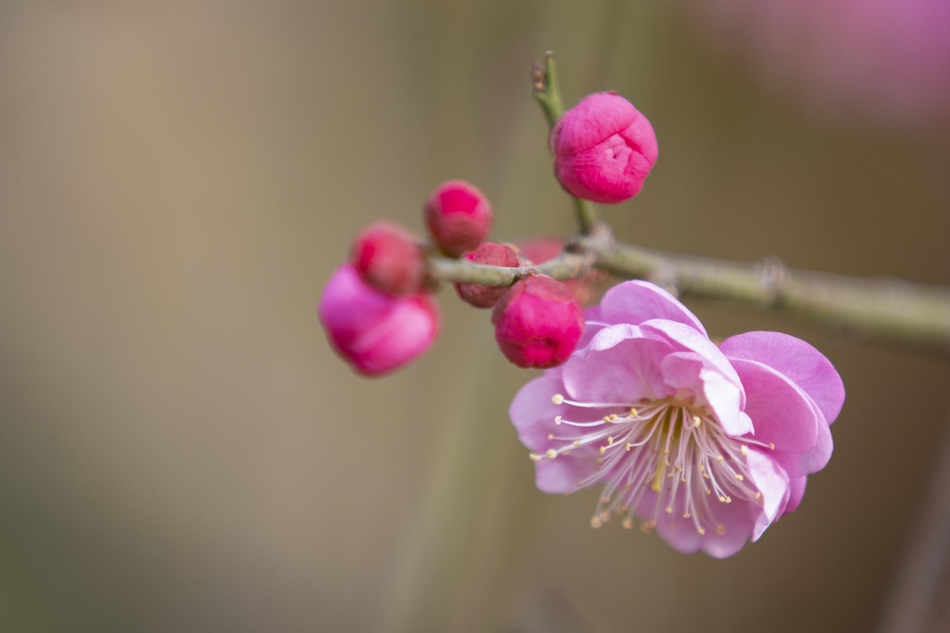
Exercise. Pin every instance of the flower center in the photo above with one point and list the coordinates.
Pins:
(679, 452)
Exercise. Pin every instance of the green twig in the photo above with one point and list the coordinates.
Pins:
(547, 92)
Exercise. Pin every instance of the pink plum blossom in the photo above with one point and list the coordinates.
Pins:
(373, 331)
(706, 445)
(603, 149)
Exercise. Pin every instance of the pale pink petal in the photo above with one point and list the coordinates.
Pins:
(691, 372)
(562, 474)
(533, 413)
(618, 366)
(637, 301)
(796, 490)
(781, 413)
(738, 519)
(803, 364)
(769, 478)
(686, 339)
(801, 464)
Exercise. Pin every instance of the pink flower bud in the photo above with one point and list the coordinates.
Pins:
(389, 259)
(490, 254)
(371, 330)
(603, 149)
(538, 250)
(458, 216)
(538, 323)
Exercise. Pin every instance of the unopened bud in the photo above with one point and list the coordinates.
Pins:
(388, 258)
(373, 331)
(538, 323)
(491, 254)
(603, 149)
(458, 217)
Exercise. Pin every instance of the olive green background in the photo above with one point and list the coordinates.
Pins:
(181, 451)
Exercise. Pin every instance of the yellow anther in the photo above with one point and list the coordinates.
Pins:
(551, 453)
(722, 499)
(634, 413)
(686, 515)
(728, 499)
(610, 440)
(629, 446)
(648, 527)
(535, 457)
(669, 509)
(557, 399)
(576, 442)
(550, 436)
(627, 523)
(740, 478)
(772, 446)
(567, 452)
(720, 458)
(595, 522)
(602, 450)
(758, 495)
(557, 419)
(613, 417)
(744, 449)
(697, 421)
(701, 531)
(683, 479)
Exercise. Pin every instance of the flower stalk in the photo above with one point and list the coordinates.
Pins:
(547, 92)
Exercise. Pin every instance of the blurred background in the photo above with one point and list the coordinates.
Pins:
(181, 451)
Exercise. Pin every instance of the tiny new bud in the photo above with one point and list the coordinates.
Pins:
(603, 149)
(458, 217)
(491, 254)
(538, 323)
(388, 258)
(373, 331)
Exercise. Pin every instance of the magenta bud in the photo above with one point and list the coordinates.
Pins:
(603, 149)
(490, 254)
(373, 331)
(538, 323)
(458, 217)
(388, 258)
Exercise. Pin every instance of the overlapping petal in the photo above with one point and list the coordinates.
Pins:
(635, 302)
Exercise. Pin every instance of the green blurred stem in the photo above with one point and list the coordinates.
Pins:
(882, 309)
(547, 92)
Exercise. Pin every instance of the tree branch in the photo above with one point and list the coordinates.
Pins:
(884, 309)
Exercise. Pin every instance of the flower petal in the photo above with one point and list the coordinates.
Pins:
(801, 464)
(637, 301)
(686, 339)
(619, 365)
(803, 364)
(796, 490)
(781, 412)
(532, 412)
(562, 474)
(772, 482)
(690, 371)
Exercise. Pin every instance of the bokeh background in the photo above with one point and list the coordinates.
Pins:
(181, 451)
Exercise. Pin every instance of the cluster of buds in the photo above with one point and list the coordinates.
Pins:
(377, 308)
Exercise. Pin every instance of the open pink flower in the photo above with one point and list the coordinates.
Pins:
(708, 445)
